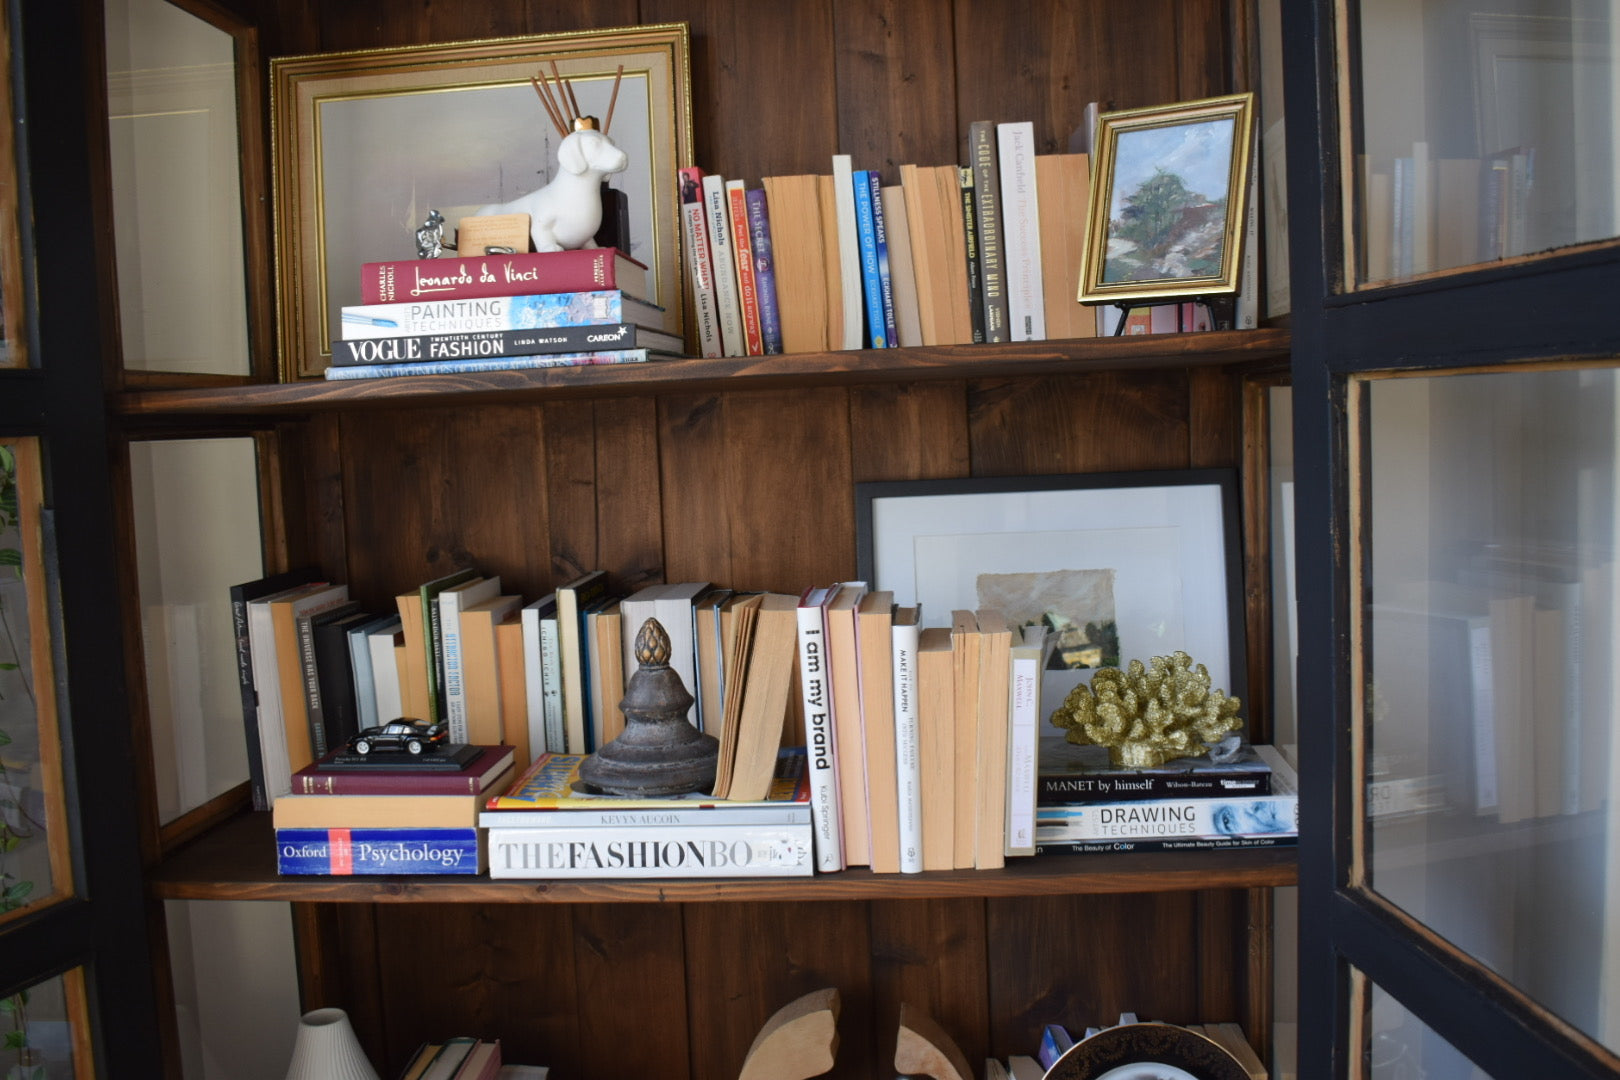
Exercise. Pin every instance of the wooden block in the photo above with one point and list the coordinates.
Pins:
(924, 1049)
(798, 1041)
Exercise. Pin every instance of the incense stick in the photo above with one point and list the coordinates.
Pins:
(551, 109)
(612, 101)
(568, 91)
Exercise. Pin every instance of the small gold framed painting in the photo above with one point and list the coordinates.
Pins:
(1168, 199)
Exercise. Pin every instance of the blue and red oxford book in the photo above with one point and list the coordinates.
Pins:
(342, 852)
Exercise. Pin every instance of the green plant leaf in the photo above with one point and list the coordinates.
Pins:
(5, 740)
(16, 1040)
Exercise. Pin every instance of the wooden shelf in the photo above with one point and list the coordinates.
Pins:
(744, 373)
(236, 861)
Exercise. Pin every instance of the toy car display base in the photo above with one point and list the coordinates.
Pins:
(450, 757)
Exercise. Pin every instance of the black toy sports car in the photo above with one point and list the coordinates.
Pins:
(411, 736)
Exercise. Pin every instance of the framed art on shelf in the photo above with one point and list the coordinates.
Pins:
(1169, 187)
(367, 142)
(1121, 566)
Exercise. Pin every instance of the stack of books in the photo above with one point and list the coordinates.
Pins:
(499, 313)
(550, 825)
(358, 814)
(1249, 800)
(952, 254)
(466, 1058)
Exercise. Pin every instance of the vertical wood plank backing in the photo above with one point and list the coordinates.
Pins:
(410, 519)
(1214, 402)
(1258, 1008)
(340, 968)
(900, 52)
(764, 85)
(506, 970)
(692, 461)
(1082, 960)
(630, 959)
(1255, 484)
(745, 961)
(910, 431)
(1222, 953)
(1203, 31)
(932, 954)
(629, 530)
(1106, 422)
(788, 488)
(570, 454)
(1053, 57)
(323, 462)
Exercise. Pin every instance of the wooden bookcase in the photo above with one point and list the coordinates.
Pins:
(742, 472)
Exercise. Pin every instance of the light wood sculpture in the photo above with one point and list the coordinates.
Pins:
(924, 1049)
(798, 1041)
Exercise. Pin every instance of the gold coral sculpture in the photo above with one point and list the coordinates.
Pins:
(1148, 715)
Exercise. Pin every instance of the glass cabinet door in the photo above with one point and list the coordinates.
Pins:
(1486, 132)
(1452, 213)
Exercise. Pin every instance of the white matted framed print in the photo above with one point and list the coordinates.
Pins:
(365, 143)
(1121, 566)
(1169, 193)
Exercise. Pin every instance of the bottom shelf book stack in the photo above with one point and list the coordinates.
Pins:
(394, 815)
(549, 825)
(1194, 804)
(466, 1058)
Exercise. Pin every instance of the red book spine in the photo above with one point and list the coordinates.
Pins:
(522, 274)
(747, 288)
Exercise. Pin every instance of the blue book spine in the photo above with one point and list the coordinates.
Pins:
(493, 363)
(342, 852)
(759, 232)
(881, 242)
(867, 240)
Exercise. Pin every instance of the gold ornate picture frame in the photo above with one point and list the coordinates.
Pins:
(1168, 197)
(364, 143)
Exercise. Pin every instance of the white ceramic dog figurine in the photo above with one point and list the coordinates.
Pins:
(567, 212)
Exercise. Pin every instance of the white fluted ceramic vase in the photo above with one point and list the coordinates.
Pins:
(328, 1050)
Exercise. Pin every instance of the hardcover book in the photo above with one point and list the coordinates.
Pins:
(1070, 774)
(342, 852)
(764, 253)
(876, 336)
(699, 263)
(1021, 231)
(723, 256)
(1167, 843)
(847, 249)
(414, 810)
(969, 209)
(496, 363)
(880, 239)
(482, 344)
(1180, 818)
(668, 851)
(987, 217)
(553, 783)
(799, 261)
(520, 274)
(815, 686)
(241, 595)
(907, 738)
(325, 777)
(604, 307)
(743, 257)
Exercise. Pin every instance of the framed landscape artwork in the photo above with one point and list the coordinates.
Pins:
(1119, 566)
(367, 142)
(1169, 195)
